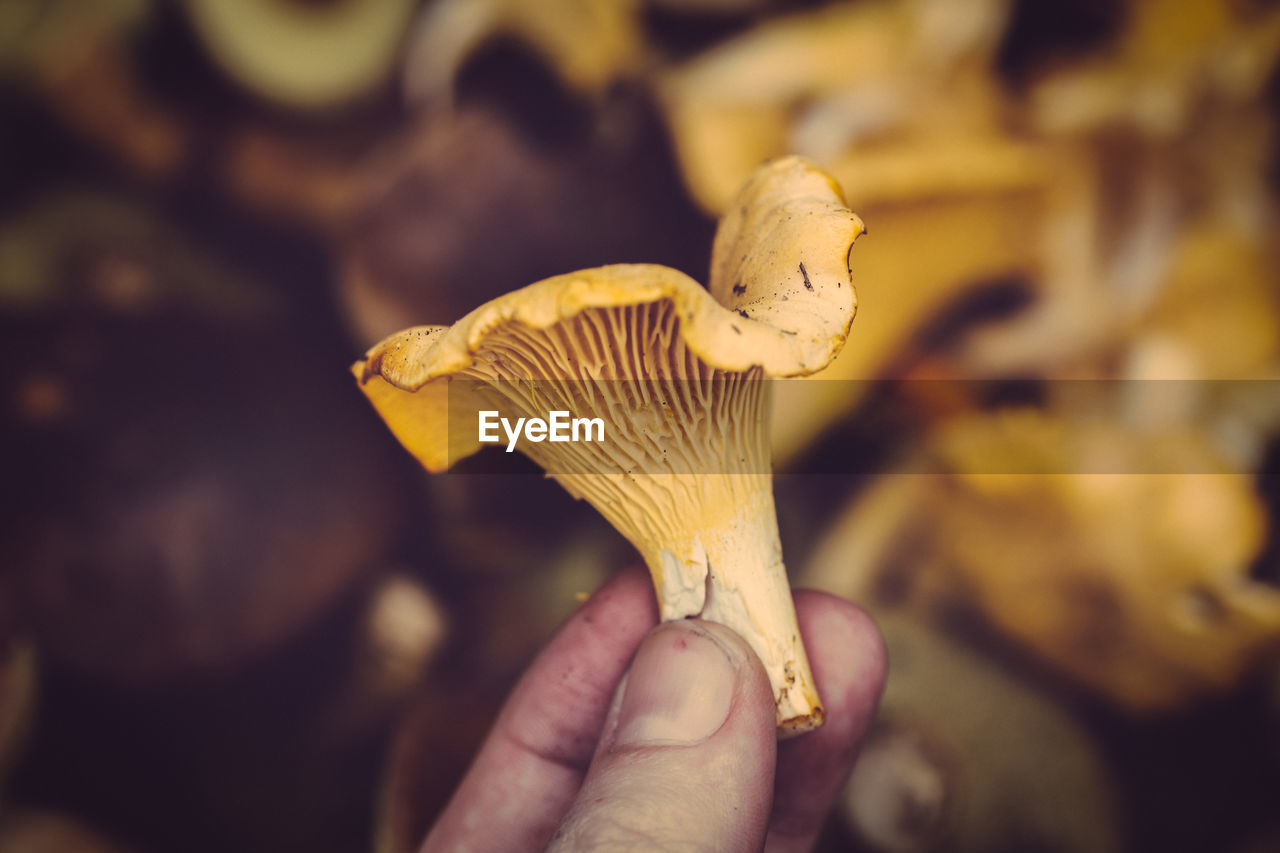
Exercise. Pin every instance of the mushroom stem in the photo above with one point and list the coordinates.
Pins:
(723, 564)
(734, 575)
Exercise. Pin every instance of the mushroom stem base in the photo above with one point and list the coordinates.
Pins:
(733, 574)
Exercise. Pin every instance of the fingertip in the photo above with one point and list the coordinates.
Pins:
(687, 759)
(683, 686)
(849, 662)
(567, 690)
(734, 673)
(531, 765)
(754, 678)
(619, 596)
(624, 606)
(848, 656)
(755, 712)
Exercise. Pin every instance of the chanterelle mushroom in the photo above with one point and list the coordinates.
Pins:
(677, 375)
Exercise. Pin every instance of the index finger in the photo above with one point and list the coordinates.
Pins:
(530, 767)
(849, 665)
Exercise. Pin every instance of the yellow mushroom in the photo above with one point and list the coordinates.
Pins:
(677, 376)
(1119, 557)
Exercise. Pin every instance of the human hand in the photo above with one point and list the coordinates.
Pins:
(623, 735)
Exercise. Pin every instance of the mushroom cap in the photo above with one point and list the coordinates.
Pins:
(780, 299)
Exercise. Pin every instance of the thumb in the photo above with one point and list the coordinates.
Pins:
(687, 755)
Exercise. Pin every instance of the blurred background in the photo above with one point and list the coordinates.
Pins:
(234, 614)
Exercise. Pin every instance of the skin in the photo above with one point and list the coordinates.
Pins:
(588, 754)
